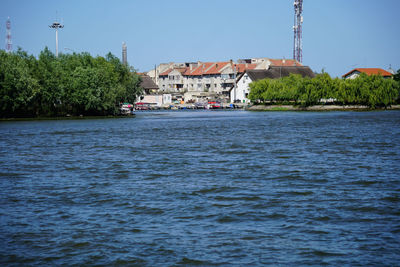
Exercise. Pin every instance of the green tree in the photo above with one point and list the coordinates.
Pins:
(18, 87)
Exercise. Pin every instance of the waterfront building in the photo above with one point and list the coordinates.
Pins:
(147, 84)
(242, 90)
(197, 81)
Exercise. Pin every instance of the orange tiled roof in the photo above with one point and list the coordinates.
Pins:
(209, 68)
(201, 69)
(370, 71)
(165, 73)
(187, 71)
(241, 67)
(288, 62)
(216, 68)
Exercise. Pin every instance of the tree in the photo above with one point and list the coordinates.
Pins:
(374, 91)
(70, 84)
(17, 86)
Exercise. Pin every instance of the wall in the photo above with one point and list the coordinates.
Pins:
(242, 88)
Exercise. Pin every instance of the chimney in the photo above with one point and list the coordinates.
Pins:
(191, 67)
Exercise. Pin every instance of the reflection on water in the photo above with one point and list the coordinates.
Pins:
(202, 187)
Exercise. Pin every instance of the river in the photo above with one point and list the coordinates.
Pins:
(229, 188)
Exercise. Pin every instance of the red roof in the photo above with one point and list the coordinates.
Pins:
(370, 71)
(165, 73)
(241, 67)
(288, 62)
(216, 68)
(201, 69)
(209, 68)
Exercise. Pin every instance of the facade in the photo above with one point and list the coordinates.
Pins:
(369, 71)
(242, 90)
(156, 100)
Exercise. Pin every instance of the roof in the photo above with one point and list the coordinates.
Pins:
(165, 73)
(370, 71)
(240, 68)
(285, 62)
(275, 72)
(216, 68)
(209, 68)
(200, 70)
(147, 82)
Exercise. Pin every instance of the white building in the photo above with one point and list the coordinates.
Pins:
(242, 91)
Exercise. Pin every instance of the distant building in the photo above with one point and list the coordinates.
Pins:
(148, 85)
(151, 95)
(124, 54)
(369, 71)
(273, 72)
(207, 80)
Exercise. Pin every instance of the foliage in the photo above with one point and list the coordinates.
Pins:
(70, 84)
(396, 76)
(374, 91)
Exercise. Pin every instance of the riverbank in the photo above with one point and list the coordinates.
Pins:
(67, 118)
(317, 108)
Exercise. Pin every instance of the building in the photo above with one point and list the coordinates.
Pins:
(151, 95)
(369, 71)
(147, 84)
(197, 81)
(242, 90)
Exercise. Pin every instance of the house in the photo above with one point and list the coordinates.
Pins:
(151, 95)
(148, 84)
(369, 71)
(242, 90)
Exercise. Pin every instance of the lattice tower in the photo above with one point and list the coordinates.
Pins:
(8, 37)
(298, 31)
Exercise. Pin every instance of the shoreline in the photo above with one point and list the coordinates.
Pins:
(318, 108)
(260, 108)
(67, 118)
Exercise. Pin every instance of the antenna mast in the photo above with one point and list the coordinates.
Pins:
(298, 32)
(8, 38)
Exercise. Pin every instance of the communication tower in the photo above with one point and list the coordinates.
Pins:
(56, 25)
(297, 29)
(8, 38)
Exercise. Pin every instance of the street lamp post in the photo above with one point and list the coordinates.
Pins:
(56, 25)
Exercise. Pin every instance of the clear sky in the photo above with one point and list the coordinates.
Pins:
(338, 35)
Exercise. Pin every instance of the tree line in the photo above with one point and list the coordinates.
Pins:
(72, 84)
(373, 91)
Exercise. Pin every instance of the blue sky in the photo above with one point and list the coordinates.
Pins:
(338, 35)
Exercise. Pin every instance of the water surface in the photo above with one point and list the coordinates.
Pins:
(202, 188)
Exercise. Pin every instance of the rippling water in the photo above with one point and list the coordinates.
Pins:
(202, 188)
